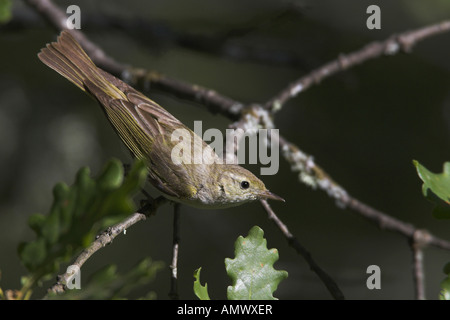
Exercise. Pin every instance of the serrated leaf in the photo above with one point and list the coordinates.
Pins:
(436, 188)
(78, 213)
(251, 271)
(200, 291)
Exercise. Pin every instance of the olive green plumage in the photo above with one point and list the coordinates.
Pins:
(146, 129)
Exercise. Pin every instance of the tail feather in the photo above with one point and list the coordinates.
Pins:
(144, 126)
(57, 57)
(70, 60)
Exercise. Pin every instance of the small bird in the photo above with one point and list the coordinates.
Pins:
(146, 129)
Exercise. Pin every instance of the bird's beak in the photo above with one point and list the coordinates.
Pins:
(269, 195)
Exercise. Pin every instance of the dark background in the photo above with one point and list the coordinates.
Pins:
(363, 126)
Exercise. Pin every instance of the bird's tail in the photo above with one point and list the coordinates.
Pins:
(68, 59)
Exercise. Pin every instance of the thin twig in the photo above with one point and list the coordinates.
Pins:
(418, 242)
(149, 33)
(394, 44)
(313, 175)
(294, 243)
(215, 102)
(310, 173)
(57, 18)
(210, 98)
(106, 238)
(173, 294)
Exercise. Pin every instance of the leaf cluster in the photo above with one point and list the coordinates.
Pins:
(78, 213)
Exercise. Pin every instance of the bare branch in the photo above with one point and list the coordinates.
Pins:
(216, 102)
(394, 44)
(418, 242)
(173, 294)
(304, 164)
(57, 18)
(294, 243)
(106, 238)
(314, 176)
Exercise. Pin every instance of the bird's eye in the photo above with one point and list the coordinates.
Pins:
(245, 184)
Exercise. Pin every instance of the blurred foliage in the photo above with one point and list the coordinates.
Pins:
(426, 13)
(363, 126)
(77, 215)
(5, 11)
(107, 283)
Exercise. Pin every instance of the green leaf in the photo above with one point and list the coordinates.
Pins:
(77, 214)
(200, 291)
(436, 188)
(5, 11)
(251, 271)
(33, 253)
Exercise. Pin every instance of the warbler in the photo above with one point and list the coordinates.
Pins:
(146, 129)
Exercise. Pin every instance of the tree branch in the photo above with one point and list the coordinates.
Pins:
(314, 176)
(210, 98)
(309, 172)
(173, 294)
(294, 243)
(106, 238)
(394, 44)
(419, 240)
